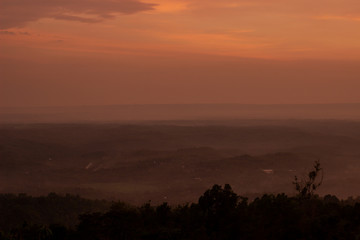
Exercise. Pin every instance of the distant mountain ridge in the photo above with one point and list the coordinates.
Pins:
(155, 112)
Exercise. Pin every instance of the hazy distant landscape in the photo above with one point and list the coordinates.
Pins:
(176, 112)
(175, 161)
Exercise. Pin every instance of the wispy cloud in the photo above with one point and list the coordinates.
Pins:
(17, 13)
(7, 33)
(339, 17)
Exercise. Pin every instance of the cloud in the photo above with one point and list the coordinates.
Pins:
(77, 18)
(24, 33)
(266, 7)
(17, 13)
(7, 33)
(334, 17)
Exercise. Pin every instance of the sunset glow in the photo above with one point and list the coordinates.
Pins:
(195, 39)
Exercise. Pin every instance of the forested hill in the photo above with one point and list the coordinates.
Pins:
(219, 214)
(51, 209)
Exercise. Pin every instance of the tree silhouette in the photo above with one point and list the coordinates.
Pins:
(45, 233)
(220, 210)
(307, 186)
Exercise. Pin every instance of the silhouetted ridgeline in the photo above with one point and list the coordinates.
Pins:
(219, 214)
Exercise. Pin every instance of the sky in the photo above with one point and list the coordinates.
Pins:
(105, 52)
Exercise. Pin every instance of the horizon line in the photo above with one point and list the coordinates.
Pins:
(181, 104)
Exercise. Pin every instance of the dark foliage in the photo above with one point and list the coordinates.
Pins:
(307, 186)
(20, 209)
(219, 214)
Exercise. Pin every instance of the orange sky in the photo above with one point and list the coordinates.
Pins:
(79, 52)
